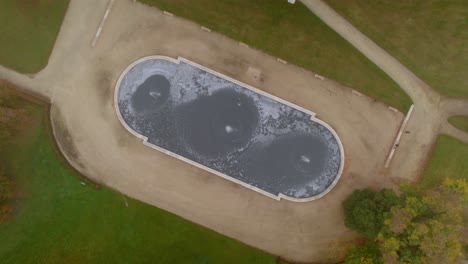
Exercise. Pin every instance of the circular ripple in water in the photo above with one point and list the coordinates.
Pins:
(218, 124)
(290, 161)
(151, 95)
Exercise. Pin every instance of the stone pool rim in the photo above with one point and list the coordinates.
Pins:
(256, 90)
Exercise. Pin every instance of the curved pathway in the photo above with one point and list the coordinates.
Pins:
(454, 106)
(431, 110)
(450, 107)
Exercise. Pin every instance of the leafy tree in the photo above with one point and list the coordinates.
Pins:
(419, 226)
(427, 225)
(365, 209)
(366, 254)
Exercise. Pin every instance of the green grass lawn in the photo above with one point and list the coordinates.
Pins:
(430, 37)
(293, 33)
(57, 220)
(460, 122)
(28, 31)
(448, 160)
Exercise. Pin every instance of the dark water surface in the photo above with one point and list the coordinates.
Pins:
(229, 128)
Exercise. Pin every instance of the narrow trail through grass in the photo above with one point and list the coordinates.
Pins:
(428, 36)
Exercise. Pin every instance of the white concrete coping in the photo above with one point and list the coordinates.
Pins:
(205, 29)
(103, 21)
(356, 93)
(242, 44)
(398, 137)
(168, 13)
(227, 177)
(394, 110)
(281, 61)
(320, 77)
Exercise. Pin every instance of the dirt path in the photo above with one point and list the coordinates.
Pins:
(80, 81)
(428, 119)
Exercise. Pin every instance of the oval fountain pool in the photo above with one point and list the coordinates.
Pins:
(229, 128)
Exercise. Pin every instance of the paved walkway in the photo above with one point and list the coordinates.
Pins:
(429, 118)
(450, 107)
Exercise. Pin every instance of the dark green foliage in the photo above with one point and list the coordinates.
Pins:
(419, 226)
(427, 226)
(365, 209)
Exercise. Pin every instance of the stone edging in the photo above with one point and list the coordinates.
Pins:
(145, 139)
(398, 137)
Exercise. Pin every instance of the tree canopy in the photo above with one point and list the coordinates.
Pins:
(418, 226)
(365, 254)
(365, 210)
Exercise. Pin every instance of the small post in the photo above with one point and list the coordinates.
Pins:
(205, 29)
(356, 93)
(320, 77)
(281, 61)
(168, 14)
(394, 110)
(242, 44)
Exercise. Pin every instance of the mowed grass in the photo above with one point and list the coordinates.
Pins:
(28, 29)
(448, 160)
(57, 220)
(295, 34)
(460, 122)
(430, 37)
